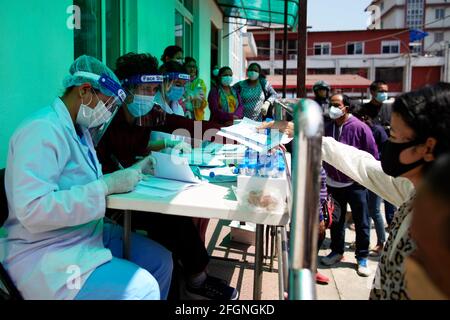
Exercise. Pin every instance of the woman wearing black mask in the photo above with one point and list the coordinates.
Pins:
(420, 132)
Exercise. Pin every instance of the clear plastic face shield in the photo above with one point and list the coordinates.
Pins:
(141, 103)
(110, 97)
(173, 88)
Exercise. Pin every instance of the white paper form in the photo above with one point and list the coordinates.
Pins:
(173, 167)
(247, 134)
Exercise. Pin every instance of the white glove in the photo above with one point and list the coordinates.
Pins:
(121, 181)
(146, 166)
(265, 108)
(179, 145)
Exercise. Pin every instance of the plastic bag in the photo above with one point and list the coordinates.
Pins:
(261, 201)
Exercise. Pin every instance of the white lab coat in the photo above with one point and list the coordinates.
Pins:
(56, 207)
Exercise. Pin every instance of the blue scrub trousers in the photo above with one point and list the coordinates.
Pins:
(146, 277)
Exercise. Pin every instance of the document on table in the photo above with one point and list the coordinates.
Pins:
(246, 133)
(161, 188)
(173, 167)
(199, 158)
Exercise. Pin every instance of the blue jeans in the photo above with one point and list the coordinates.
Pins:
(374, 202)
(356, 196)
(146, 277)
(389, 211)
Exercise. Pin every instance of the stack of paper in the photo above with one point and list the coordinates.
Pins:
(246, 133)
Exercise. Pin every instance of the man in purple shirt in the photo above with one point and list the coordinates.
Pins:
(349, 130)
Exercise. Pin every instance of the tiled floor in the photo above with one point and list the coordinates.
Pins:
(344, 284)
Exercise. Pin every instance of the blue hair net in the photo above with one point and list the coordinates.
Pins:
(86, 64)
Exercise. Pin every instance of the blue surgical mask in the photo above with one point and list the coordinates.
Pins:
(141, 105)
(175, 93)
(336, 113)
(227, 81)
(381, 97)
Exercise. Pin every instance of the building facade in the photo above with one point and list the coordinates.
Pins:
(40, 40)
(372, 54)
(431, 16)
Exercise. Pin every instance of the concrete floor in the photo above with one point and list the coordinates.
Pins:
(344, 284)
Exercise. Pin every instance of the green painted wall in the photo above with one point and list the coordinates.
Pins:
(36, 53)
(156, 26)
(38, 49)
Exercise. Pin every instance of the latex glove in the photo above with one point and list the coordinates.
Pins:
(121, 181)
(179, 145)
(265, 108)
(146, 166)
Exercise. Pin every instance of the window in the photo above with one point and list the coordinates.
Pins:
(439, 13)
(438, 37)
(355, 48)
(279, 47)
(215, 36)
(415, 14)
(263, 47)
(184, 29)
(322, 71)
(390, 75)
(90, 39)
(188, 4)
(322, 49)
(388, 47)
(382, 6)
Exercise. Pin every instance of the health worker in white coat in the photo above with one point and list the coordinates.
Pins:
(58, 245)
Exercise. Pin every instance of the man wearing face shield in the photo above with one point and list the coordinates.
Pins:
(58, 246)
(127, 138)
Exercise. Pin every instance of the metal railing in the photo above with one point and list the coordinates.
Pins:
(305, 191)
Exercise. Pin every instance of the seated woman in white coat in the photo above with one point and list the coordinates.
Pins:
(57, 244)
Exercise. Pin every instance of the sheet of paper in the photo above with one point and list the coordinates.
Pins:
(161, 188)
(164, 184)
(199, 158)
(170, 166)
(247, 134)
(154, 192)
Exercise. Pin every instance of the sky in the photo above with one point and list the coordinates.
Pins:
(327, 15)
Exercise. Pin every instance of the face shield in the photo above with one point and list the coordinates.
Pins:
(108, 87)
(141, 103)
(173, 88)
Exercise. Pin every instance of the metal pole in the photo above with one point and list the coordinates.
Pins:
(305, 205)
(259, 257)
(285, 48)
(302, 44)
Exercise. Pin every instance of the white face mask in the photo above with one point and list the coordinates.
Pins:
(141, 105)
(335, 113)
(91, 118)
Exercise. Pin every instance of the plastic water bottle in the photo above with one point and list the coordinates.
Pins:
(253, 157)
(251, 170)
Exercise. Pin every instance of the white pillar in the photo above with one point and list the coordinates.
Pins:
(272, 52)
